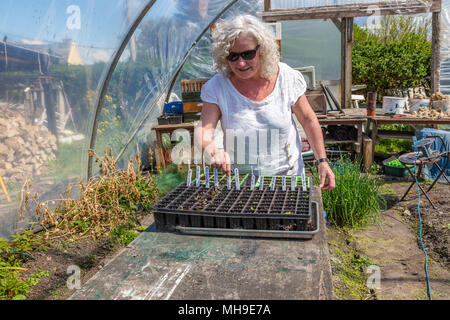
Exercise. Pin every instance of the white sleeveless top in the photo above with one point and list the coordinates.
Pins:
(262, 131)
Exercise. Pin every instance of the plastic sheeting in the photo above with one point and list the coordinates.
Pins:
(53, 55)
(56, 55)
(445, 48)
(290, 4)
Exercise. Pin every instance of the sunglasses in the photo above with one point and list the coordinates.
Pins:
(246, 55)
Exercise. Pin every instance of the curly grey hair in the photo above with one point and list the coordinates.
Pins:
(227, 31)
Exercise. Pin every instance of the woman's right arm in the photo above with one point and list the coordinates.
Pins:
(209, 118)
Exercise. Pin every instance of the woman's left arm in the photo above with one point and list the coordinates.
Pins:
(308, 119)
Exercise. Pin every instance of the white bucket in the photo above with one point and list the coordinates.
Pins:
(417, 104)
(394, 104)
(441, 105)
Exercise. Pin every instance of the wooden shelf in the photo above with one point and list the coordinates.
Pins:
(407, 135)
(329, 141)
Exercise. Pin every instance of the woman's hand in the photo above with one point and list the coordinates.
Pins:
(221, 160)
(326, 175)
(305, 145)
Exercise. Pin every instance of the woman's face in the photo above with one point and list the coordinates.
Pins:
(245, 69)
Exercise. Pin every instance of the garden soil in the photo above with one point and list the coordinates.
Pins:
(393, 244)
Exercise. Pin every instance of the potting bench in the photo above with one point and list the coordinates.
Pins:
(374, 122)
(345, 120)
(165, 265)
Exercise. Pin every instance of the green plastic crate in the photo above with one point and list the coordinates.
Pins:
(394, 171)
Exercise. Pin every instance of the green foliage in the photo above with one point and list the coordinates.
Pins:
(375, 169)
(395, 127)
(169, 178)
(124, 234)
(396, 163)
(349, 270)
(12, 255)
(394, 28)
(396, 56)
(390, 146)
(355, 202)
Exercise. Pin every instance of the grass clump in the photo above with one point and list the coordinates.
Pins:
(356, 200)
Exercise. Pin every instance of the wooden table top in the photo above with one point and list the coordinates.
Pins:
(408, 119)
(328, 120)
(341, 119)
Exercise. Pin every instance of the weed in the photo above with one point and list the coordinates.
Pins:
(350, 279)
(375, 169)
(385, 189)
(141, 228)
(12, 255)
(124, 234)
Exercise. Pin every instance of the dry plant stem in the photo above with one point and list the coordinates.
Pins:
(105, 202)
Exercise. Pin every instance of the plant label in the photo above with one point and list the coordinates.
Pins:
(207, 176)
(197, 176)
(216, 178)
(272, 183)
(189, 177)
(236, 178)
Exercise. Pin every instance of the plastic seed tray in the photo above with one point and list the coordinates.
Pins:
(211, 208)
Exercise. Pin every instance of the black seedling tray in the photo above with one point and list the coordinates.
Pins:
(219, 207)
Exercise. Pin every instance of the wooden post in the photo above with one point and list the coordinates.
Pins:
(346, 62)
(436, 52)
(267, 5)
(337, 23)
(368, 153)
(159, 155)
(28, 105)
(50, 106)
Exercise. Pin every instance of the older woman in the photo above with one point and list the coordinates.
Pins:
(254, 97)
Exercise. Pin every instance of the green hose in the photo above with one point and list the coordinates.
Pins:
(24, 253)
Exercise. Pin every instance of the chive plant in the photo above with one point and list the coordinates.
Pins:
(356, 200)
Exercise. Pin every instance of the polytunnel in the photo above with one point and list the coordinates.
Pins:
(90, 74)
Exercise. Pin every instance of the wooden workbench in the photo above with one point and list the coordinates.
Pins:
(164, 265)
(167, 128)
(374, 122)
(346, 120)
